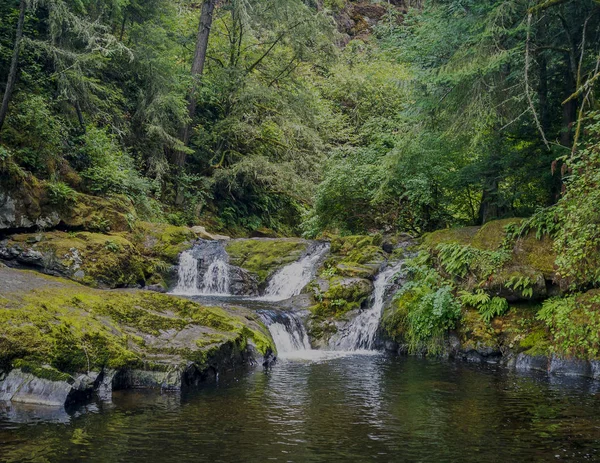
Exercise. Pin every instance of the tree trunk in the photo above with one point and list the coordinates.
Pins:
(206, 17)
(14, 64)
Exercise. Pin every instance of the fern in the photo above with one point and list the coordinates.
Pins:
(459, 260)
(488, 307)
(524, 284)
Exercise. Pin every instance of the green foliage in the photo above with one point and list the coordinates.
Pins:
(61, 193)
(424, 308)
(521, 283)
(488, 307)
(459, 261)
(578, 243)
(574, 324)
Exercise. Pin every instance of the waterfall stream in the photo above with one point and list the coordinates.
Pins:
(203, 270)
(360, 332)
(291, 279)
(287, 331)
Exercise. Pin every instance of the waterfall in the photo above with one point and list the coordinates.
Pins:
(187, 283)
(216, 279)
(287, 331)
(360, 333)
(203, 270)
(291, 279)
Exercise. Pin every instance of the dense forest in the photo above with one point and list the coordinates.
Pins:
(306, 116)
(318, 119)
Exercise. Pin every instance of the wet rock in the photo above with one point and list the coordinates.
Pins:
(26, 388)
(388, 247)
(203, 234)
(569, 367)
(105, 385)
(144, 379)
(524, 362)
(155, 288)
(242, 282)
(595, 369)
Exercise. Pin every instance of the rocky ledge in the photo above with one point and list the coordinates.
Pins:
(61, 342)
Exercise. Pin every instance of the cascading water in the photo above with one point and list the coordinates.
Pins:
(187, 283)
(287, 331)
(203, 270)
(360, 333)
(216, 279)
(291, 279)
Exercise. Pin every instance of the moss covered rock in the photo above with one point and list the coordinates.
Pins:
(72, 328)
(264, 256)
(517, 269)
(31, 205)
(162, 241)
(96, 259)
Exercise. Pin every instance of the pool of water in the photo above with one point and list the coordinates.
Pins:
(349, 408)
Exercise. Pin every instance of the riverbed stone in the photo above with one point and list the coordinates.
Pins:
(569, 367)
(27, 388)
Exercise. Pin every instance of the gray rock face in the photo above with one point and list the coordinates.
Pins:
(525, 362)
(242, 282)
(26, 388)
(16, 213)
(15, 255)
(569, 367)
(143, 379)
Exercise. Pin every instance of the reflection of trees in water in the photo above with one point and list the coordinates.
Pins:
(347, 409)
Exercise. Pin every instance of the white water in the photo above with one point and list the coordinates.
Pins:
(291, 279)
(215, 281)
(187, 283)
(291, 339)
(289, 334)
(360, 333)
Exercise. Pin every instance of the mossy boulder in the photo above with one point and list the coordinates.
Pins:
(518, 330)
(30, 205)
(491, 235)
(517, 269)
(344, 282)
(142, 257)
(67, 328)
(462, 235)
(95, 259)
(343, 295)
(162, 241)
(264, 256)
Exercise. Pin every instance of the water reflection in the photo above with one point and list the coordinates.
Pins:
(354, 408)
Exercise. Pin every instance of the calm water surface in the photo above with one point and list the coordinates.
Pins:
(351, 409)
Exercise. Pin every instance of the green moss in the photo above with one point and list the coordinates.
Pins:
(74, 328)
(41, 371)
(491, 236)
(264, 257)
(451, 235)
(536, 342)
(342, 296)
(162, 241)
(538, 254)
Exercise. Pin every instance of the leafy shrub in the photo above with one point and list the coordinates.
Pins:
(60, 193)
(574, 323)
(488, 307)
(578, 243)
(461, 260)
(424, 308)
(108, 170)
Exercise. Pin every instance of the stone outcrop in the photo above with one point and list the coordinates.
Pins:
(61, 341)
